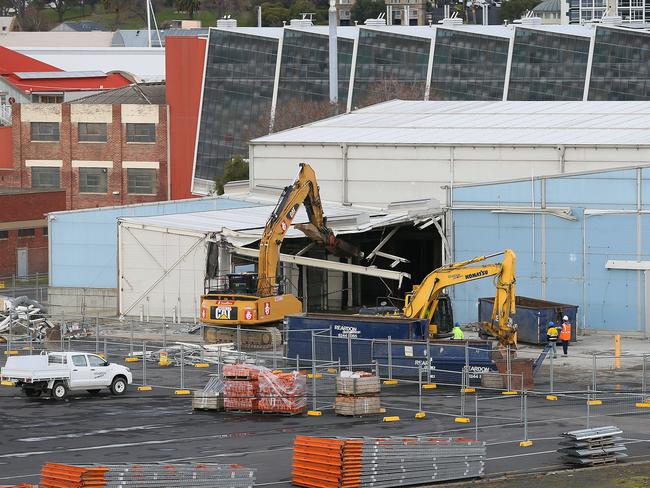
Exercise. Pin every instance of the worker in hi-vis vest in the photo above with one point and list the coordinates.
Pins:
(551, 338)
(565, 334)
(458, 332)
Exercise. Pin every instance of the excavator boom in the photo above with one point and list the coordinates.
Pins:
(423, 301)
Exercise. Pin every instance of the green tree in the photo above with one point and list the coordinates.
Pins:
(120, 7)
(514, 9)
(367, 9)
(235, 170)
(189, 6)
(273, 13)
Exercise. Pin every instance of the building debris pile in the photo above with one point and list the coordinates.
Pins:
(590, 447)
(251, 388)
(357, 394)
(150, 475)
(22, 318)
(384, 462)
(196, 353)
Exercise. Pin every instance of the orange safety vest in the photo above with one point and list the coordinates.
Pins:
(565, 334)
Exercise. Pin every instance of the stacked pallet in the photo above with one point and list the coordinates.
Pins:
(240, 388)
(384, 462)
(150, 475)
(357, 394)
(282, 393)
(211, 396)
(590, 447)
(249, 388)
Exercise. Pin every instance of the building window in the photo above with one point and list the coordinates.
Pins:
(26, 232)
(93, 180)
(4, 234)
(140, 132)
(49, 98)
(92, 132)
(46, 177)
(45, 231)
(142, 181)
(45, 131)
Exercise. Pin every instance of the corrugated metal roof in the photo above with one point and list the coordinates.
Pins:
(138, 94)
(51, 75)
(548, 6)
(474, 123)
(247, 224)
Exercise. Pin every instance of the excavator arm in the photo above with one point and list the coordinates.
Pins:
(423, 301)
(304, 190)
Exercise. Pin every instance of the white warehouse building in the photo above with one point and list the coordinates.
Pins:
(415, 150)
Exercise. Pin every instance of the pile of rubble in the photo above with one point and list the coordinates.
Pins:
(22, 317)
(191, 354)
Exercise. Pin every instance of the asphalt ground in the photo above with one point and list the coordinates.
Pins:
(158, 426)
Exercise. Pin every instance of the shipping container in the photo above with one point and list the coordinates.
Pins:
(366, 337)
(532, 317)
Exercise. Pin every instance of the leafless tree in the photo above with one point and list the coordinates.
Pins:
(390, 89)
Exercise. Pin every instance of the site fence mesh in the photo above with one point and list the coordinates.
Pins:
(613, 388)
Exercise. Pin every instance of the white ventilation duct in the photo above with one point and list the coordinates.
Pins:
(379, 21)
(301, 23)
(227, 23)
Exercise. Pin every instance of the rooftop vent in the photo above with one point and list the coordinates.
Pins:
(529, 19)
(306, 20)
(453, 20)
(227, 23)
(381, 20)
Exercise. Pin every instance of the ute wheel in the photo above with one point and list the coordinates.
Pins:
(118, 386)
(93, 392)
(32, 392)
(59, 391)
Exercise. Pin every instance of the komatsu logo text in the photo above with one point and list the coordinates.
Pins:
(478, 274)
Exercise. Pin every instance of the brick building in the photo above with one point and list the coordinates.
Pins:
(100, 151)
(23, 229)
(104, 150)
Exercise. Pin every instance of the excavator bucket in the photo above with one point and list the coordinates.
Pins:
(333, 244)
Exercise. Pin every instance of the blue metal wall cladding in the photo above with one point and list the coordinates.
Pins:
(558, 259)
(367, 336)
(532, 317)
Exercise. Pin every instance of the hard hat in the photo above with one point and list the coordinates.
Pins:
(551, 324)
(457, 324)
(565, 318)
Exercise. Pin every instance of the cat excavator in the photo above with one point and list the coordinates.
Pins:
(427, 298)
(257, 301)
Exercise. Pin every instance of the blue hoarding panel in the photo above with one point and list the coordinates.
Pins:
(84, 243)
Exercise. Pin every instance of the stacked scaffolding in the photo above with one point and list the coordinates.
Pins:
(590, 447)
(384, 462)
(150, 475)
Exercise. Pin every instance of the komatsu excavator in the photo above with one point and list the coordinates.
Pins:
(257, 301)
(426, 298)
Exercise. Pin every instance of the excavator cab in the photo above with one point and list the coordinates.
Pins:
(443, 317)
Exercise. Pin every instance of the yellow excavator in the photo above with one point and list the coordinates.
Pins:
(422, 302)
(257, 301)
(427, 299)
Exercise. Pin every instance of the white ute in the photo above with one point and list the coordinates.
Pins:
(57, 373)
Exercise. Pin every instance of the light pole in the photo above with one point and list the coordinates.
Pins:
(333, 59)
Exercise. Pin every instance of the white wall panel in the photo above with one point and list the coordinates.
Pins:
(144, 255)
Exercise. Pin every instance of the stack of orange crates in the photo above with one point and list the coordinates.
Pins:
(326, 463)
(241, 388)
(282, 393)
(64, 476)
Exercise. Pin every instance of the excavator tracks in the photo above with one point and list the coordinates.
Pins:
(250, 338)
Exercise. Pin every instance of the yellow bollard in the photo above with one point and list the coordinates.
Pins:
(617, 340)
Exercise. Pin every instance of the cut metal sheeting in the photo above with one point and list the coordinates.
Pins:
(590, 447)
